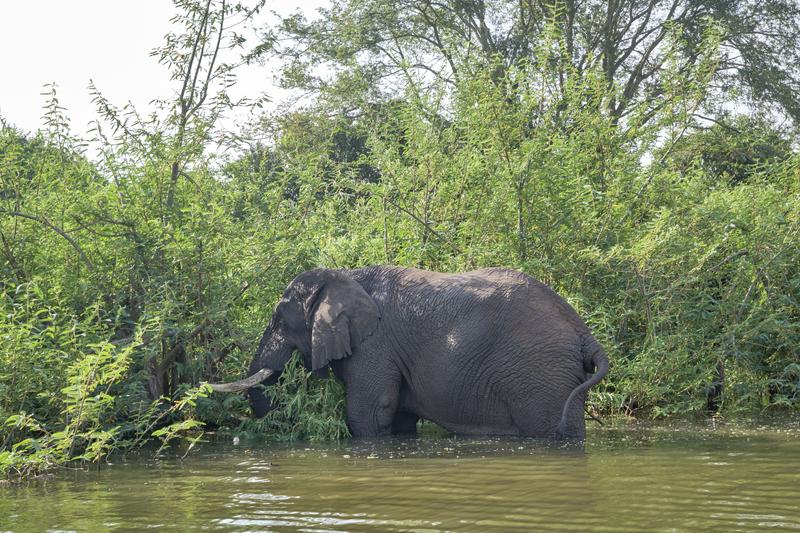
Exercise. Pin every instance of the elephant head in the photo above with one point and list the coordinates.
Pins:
(324, 314)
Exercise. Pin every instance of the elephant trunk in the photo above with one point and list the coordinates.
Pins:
(273, 353)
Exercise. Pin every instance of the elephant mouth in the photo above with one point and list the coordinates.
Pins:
(243, 384)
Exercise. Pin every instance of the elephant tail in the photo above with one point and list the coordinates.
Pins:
(593, 357)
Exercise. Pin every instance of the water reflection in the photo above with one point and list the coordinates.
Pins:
(646, 478)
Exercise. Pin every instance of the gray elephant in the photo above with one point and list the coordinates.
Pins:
(488, 352)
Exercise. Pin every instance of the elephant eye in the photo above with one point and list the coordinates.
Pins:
(292, 317)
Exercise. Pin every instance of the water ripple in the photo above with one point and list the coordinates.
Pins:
(620, 481)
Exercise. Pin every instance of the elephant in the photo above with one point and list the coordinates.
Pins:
(486, 352)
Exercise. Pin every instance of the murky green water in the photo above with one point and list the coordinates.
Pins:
(634, 479)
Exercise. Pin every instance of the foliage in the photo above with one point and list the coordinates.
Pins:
(306, 407)
(732, 153)
(85, 419)
(128, 280)
(367, 49)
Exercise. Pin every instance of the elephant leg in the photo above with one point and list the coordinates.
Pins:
(372, 402)
(404, 423)
(540, 414)
(534, 419)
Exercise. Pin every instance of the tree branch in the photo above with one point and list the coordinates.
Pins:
(45, 222)
(426, 225)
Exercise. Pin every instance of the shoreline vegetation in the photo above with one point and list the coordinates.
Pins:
(145, 260)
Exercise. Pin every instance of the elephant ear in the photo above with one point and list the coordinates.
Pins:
(344, 316)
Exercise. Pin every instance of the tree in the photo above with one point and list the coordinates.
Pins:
(381, 42)
(163, 208)
(733, 153)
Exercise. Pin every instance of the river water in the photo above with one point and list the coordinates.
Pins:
(681, 477)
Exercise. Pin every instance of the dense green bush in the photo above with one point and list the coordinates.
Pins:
(129, 279)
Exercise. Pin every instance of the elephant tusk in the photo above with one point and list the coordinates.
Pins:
(243, 384)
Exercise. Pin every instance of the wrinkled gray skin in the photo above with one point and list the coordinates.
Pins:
(489, 352)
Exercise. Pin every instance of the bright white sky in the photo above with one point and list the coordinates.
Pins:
(108, 41)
